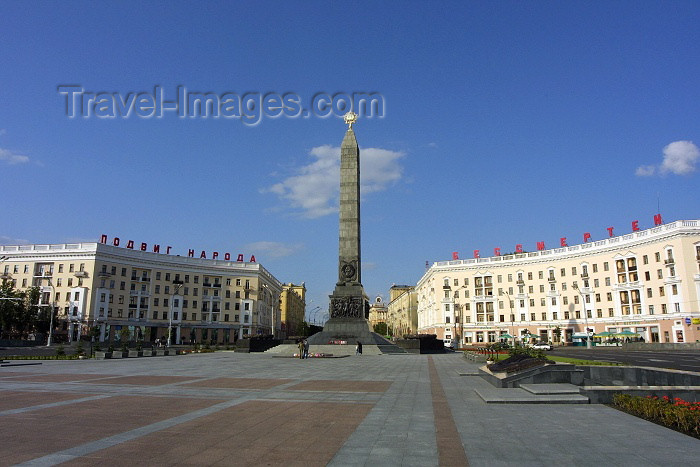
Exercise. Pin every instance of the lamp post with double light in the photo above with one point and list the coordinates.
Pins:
(585, 315)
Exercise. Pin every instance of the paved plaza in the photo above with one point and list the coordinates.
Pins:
(254, 409)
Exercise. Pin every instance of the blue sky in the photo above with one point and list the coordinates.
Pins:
(504, 123)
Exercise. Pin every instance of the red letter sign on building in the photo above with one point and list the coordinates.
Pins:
(635, 226)
(586, 237)
(563, 241)
(455, 255)
(476, 254)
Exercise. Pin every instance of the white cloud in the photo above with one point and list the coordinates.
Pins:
(645, 171)
(315, 189)
(274, 249)
(680, 158)
(12, 158)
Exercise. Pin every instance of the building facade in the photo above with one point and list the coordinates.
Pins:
(377, 312)
(154, 295)
(402, 311)
(646, 282)
(292, 309)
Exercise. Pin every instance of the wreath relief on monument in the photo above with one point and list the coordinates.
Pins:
(346, 307)
(348, 271)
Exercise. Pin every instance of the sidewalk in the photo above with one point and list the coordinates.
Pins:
(235, 409)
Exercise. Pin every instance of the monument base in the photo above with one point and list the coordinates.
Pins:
(351, 330)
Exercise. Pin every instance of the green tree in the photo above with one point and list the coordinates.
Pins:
(381, 329)
(19, 311)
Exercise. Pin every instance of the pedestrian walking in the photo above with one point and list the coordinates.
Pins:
(358, 348)
(306, 348)
(301, 348)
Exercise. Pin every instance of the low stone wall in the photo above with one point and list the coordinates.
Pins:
(547, 374)
(660, 346)
(637, 376)
(256, 345)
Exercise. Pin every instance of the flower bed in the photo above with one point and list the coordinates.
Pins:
(676, 414)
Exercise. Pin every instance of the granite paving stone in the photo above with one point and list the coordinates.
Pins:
(228, 409)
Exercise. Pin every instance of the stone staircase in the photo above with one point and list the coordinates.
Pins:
(552, 393)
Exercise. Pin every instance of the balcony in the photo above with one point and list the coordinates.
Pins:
(104, 274)
(669, 262)
(206, 284)
(217, 286)
(6, 276)
(80, 274)
(551, 279)
(142, 293)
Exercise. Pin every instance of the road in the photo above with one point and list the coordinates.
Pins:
(688, 360)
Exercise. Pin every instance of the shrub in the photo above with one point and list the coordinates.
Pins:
(675, 413)
(60, 351)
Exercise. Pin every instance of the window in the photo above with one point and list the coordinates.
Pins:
(645, 259)
(225, 317)
(447, 320)
(662, 292)
(674, 289)
(657, 257)
(649, 293)
(158, 275)
(563, 272)
(606, 267)
(155, 301)
(595, 267)
(573, 270)
(651, 309)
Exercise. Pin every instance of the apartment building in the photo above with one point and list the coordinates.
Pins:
(154, 295)
(646, 282)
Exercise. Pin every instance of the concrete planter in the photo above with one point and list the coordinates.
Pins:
(120, 354)
(148, 352)
(135, 353)
(103, 355)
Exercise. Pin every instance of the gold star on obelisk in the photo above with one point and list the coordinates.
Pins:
(350, 118)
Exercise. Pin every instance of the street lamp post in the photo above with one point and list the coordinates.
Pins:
(51, 310)
(170, 321)
(512, 316)
(585, 315)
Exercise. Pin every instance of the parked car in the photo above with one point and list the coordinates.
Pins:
(542, 346)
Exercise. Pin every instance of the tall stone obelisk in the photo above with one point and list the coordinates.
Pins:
(348, 298)
(349, 301)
